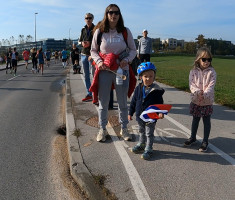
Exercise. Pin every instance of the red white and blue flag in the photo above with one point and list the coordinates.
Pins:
(151, 113)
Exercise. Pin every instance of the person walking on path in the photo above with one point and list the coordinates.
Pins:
(8, 59)
(202, 79)
(147, 93)
(14, 59)
(25, 55)
(48, 57)
(85, 40)
(56, 57)
(41, 58)
(34, 59)
(145, 47)
(64, 58)
(106, 58)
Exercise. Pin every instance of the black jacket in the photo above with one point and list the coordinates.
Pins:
(139, 104)
(86, 35)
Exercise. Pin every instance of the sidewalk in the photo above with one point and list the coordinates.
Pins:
(83, 117)
(91, 160)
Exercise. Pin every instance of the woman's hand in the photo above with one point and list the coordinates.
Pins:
(123, 63)
(86, 44)
(101, 66)
(129, 117)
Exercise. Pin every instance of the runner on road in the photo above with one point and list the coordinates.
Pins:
(34, 59)
(8, 59)
(48, 57)
(14, 59)
(64, 58)
(25, 55)
(41, 57)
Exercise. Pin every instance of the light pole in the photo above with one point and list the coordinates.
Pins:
(69, 38)
(35, 31)
(69, 33)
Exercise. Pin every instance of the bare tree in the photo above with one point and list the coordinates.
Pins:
(21, 39)
(12, 40)
(29, 38)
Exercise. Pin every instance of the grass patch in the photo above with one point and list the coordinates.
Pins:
(174, 71)
(77, 133)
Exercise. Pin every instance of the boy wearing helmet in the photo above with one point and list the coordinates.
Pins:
(147, 93)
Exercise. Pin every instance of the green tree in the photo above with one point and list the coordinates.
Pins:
(201, 41)
(190, 47)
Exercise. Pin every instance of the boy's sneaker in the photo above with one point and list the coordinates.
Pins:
(139, 148)
(102, 135)
(189, 142)
(147, 154)
(87, 98)
(125, 134)
(203, 147)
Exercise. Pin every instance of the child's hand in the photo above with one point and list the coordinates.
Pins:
(201, 97)
(161, 115)
(129, 117)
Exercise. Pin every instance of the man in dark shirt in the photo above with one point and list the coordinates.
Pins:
(85, 40)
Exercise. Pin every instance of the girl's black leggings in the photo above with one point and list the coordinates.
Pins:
(207, 127)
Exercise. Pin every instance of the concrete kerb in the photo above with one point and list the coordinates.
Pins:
(78, 169)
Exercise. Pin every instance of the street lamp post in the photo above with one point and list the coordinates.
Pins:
(69, 38)
(69, 33)
(35, 31)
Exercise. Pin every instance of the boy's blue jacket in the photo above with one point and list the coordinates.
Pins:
(139, 104)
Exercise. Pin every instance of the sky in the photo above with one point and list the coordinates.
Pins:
(180, 19)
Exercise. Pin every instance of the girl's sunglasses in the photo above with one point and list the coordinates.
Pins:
(206, 59)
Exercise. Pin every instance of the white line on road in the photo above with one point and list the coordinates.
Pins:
(137, 184)
(211, 146)
(13, 78)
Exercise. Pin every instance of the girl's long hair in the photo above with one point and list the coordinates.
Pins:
(201, 52)
(104, 24)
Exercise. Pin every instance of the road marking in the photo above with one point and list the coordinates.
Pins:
(137, 184)
(211, 146)
(13, 78)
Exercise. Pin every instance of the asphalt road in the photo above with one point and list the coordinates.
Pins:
(29, 116)
(174, 172)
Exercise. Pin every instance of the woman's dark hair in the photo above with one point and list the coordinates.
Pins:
(104, 25)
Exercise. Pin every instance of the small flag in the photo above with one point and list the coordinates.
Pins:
(151, 113)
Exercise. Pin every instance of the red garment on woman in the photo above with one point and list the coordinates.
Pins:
(110, 61)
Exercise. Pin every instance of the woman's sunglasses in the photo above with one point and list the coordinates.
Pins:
(113, 12)
(206, 59)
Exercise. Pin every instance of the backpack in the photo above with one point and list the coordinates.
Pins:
(135, 62)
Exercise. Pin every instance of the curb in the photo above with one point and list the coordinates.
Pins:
(78, 169)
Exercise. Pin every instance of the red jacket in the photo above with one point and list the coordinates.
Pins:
(110, 61)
